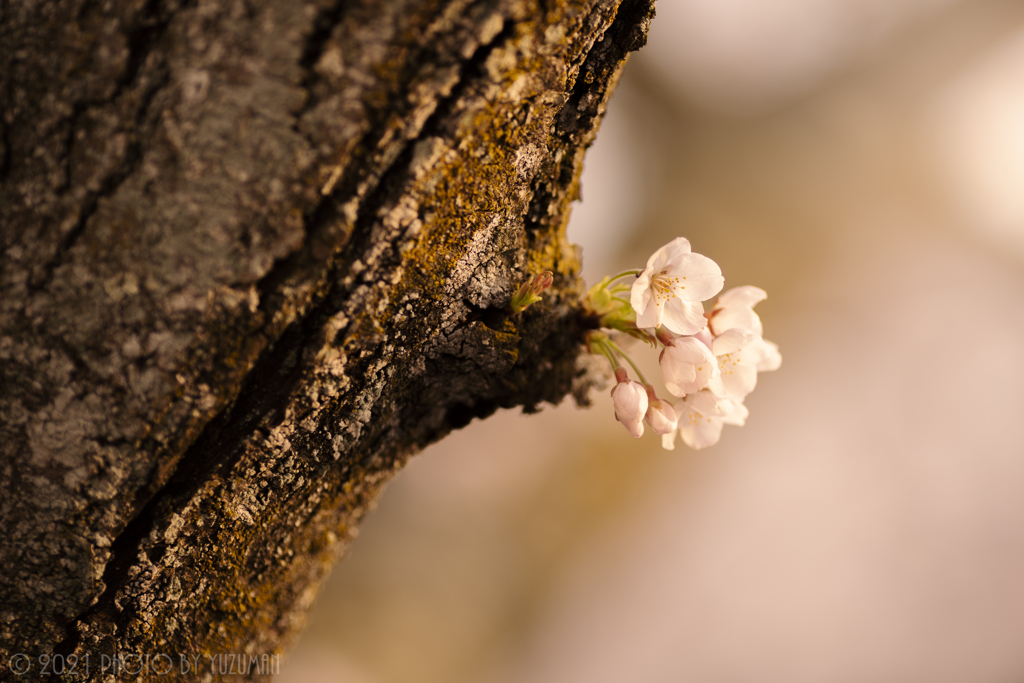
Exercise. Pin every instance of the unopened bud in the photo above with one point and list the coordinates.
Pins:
(629, 399)
(661, 415)
(529, 292)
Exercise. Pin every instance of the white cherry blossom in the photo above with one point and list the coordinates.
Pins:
(737, 370)
(687, 365)
(630, 401)
(670, 290)
(702, 416)
(740, 355)
(661, 414)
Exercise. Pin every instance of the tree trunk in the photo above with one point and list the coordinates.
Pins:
(255, 254)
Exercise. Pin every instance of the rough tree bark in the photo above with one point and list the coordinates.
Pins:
(255, 254)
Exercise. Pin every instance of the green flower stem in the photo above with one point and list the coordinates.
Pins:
(617, 349)
(606, 350)
(634, 271)
(598, 343)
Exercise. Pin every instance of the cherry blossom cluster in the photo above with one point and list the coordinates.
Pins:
(709, 360)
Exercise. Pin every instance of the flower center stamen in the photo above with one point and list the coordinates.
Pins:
(664, 287)
(726, 359)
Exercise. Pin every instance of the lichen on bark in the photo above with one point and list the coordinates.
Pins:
(256, 255)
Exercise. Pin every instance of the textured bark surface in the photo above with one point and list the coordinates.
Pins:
(255, 254)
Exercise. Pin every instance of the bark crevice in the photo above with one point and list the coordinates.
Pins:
(142, 41)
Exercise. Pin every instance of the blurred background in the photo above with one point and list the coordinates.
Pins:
(862, 161)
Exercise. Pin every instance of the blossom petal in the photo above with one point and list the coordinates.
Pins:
(709, 405)
(636, 429)
(735, 310)
(668, 441)
(738, 416)
(747, 296)
(702, 429)
(705, 336)
(738, 380)
(715, 385)
(688, 350)
(662, 417)
(736, 318)
(681, 316)
(732, 341)
(702, 276)
(668, 255)
(698, 431)
(679, 376)
(687, 365)
(652, 312)
(640, 294)
(764, 355)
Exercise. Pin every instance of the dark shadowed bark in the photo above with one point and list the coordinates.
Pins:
(255, 254)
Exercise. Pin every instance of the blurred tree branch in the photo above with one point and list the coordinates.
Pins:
(255, 255)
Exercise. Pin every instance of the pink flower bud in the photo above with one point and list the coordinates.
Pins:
(542, 281)
(660, 414)
(529, 292)
(630, 401)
